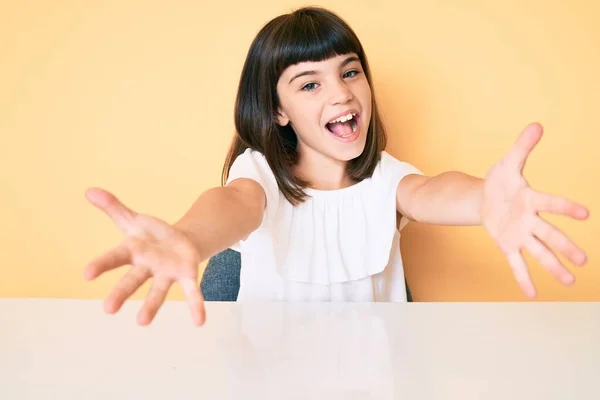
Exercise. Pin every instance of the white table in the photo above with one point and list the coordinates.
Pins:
(70, 349)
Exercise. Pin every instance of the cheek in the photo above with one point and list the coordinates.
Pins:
(305, 116)
(366, 98)
(366, 91)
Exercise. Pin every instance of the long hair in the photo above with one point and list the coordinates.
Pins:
(308, 34)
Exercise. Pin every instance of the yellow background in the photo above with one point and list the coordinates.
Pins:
(137, 97)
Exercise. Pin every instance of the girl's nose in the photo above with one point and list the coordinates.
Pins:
(340, 94)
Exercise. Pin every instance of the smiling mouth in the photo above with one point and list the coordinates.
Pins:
(344, 126)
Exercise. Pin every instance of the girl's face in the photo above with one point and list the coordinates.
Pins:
(328, 104)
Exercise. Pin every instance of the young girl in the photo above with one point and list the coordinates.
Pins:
(310, 197)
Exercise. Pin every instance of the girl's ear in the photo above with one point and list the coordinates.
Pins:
(281, 118)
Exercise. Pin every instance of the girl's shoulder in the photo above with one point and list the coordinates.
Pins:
(391, 169)
(249, 162)
(252, 164)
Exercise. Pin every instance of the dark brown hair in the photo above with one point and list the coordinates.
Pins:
(308, 34)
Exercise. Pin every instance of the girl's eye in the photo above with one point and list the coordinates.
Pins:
(309, 87)
(351, 74)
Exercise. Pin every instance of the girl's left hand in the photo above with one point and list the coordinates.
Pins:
(510, 210)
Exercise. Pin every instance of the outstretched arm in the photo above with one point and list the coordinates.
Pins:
(450, 198)
(223, 216)
(505, 204)
(170, 253)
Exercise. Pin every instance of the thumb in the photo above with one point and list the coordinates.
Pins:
(122, 216)
(525, 143)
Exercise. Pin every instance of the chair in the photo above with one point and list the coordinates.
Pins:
(221, 278)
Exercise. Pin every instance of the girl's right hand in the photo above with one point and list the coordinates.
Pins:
(153, 248)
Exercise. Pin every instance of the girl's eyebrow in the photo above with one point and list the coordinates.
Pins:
(348, 61)
(303, 73)
(313, 72)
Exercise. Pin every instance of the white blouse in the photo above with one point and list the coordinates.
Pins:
(339, 245)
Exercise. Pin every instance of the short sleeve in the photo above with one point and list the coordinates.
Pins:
(252, 164)
(392, 171)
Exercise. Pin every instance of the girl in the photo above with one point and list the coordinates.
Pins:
(310, 197)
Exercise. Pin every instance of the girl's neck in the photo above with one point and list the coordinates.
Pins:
(322, 172)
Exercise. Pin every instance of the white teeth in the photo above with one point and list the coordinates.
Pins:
(354, 126)
(344, 118)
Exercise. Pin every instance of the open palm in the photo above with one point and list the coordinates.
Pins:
(153, 249)
(510, 213)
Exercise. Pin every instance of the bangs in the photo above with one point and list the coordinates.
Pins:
(313, 36)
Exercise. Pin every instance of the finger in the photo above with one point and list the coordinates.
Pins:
(549, 261)
(545, 202)
(156, 297)
(521, 272)
(111, 259)
(523, 146)
(125, 287)
(122, 216)
(557, 240)
(195, 300)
